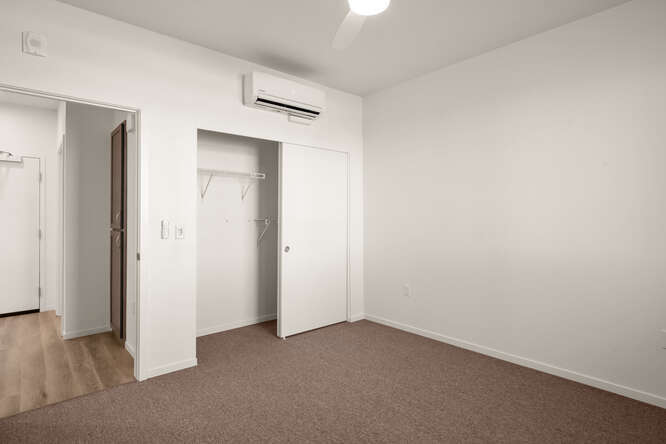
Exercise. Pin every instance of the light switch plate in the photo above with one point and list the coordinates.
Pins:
(34, 44)
(165, 229)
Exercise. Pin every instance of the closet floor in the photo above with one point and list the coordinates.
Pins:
(38, 367)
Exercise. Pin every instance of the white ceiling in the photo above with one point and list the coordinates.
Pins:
(411, 38)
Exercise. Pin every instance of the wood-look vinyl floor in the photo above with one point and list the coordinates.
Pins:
(38, 367)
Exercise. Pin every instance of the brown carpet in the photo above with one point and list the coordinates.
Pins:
(345, 383)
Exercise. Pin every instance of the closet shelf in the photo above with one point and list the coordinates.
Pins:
(251, 176)
(12, 161)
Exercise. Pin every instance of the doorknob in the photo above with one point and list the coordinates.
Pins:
(286, 249)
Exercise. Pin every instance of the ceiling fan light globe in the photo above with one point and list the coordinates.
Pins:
(368, 7)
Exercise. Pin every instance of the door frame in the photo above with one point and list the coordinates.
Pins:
(139, 194)
(279, 233)
(60, 283)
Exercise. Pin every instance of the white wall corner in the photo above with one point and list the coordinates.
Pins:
(357, 317)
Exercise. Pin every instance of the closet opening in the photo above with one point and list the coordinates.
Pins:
(272, 235)
(69, 199)
(237, 234)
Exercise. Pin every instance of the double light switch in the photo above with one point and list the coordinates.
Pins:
(179, 230)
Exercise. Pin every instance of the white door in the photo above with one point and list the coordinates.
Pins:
(19, 236)
(313, 239)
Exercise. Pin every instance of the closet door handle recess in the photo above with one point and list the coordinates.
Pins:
(287, 248)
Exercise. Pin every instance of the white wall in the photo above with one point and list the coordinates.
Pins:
(178, 87)
(87, 216)
(30, 131)
(522, 196)
(236, 280)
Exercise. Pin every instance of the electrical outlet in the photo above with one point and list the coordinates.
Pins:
(663, 338)
(406, 291)
(180, 232)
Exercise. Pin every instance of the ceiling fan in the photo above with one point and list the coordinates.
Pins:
(351, 26)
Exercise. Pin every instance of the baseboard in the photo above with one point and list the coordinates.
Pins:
(236, 324)
(180, 365)
(79, 333)
(47, 308)
(357, 317)
(602, 384)
(19, 313)
(130, 349)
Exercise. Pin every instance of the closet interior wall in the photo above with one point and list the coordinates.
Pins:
(236, 274)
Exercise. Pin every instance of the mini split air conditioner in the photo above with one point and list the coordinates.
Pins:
(300, 102)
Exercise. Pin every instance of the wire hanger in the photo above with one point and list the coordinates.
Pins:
(267, 223)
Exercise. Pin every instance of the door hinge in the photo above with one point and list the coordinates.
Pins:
(138, 256)
(39, 233)
(39, 292)
(40, 176)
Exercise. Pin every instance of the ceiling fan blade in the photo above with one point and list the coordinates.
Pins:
(348, 30)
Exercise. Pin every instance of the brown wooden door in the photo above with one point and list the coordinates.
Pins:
(118, 228)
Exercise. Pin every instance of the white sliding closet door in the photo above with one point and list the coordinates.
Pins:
(313, 239)
(19, 236)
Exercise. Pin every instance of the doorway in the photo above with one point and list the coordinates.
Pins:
(70, 328)
(100, 224)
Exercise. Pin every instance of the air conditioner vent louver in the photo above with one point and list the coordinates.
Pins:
(272, 93)
(282, 105)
